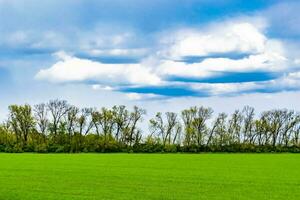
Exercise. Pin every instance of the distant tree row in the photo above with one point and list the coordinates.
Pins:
(60, 127)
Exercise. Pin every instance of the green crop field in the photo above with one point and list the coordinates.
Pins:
(149, 176)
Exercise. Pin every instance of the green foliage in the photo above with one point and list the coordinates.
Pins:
(41, 148)
(57, 127)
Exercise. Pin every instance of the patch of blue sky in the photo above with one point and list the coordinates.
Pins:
(231, 77)
(22, 52)
(5, 79)
(110, 59)
(144, 15)
(229, 55)
(170, 91)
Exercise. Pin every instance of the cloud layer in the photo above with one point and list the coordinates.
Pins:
(225, 58)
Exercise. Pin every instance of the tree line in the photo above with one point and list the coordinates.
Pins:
(57, 126)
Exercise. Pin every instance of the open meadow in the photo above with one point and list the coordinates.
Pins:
(149, 176)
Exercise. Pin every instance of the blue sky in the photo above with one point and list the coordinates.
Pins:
(160, 54)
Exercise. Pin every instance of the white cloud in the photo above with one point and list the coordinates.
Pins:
(134, 96)
(271, 59)
(101, 87)
(225, 88)
(72, 69)
(225, 37)
(213, 66)
(135, 52)
(140, 96)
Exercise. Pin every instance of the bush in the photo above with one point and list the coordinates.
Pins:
(170, 148)
(60, 149)
(41, 148)
(17, 149)
(2, 148)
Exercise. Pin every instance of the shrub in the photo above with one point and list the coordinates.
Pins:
(41, 148)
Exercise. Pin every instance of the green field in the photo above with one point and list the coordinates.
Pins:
(149, 176)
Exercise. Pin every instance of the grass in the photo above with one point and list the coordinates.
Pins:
(149, 176)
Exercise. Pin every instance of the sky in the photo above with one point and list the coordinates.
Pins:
(163, 55)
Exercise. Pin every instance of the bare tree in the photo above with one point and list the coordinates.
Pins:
(85, 121)
(71, 119)
(167, 129)
(218, 130)
(135, 116)
(41, 117)
(290, 121)
(122, 121)
(235, 125)
(248, 121)
(58, 109)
